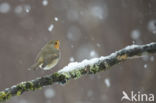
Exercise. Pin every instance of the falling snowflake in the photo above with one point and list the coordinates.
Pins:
(145, 65)
(50, 28)
(22, 9)
(71, 59)
(152, 58)
(49, 93)
(4, 7)
(93, 54)
(152, 26)
(56, 18)
(18, 9)
(135, 34)
(27, 8)
(98, 45)
(107, 82)
(90, 93)
(45, 2)
(97, 11)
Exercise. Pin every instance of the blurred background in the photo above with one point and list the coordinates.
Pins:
(86, 29)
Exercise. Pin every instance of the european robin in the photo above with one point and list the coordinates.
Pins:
(48, 56)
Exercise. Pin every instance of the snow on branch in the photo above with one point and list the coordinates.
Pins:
(77, 69)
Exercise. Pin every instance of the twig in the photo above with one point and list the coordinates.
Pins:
(76, 70)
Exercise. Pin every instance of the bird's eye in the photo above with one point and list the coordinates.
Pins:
(55, 43)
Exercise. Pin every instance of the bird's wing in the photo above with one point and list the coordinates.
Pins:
(42, 53)
(49, 59)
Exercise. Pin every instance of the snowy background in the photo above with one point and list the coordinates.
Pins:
(86, 29)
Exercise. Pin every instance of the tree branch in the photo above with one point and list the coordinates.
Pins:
(76, 70)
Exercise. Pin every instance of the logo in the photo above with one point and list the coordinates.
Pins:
(138, 96)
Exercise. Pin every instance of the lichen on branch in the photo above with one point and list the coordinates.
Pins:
(77, 69)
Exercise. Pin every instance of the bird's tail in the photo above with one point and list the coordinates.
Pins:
(34, 66)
